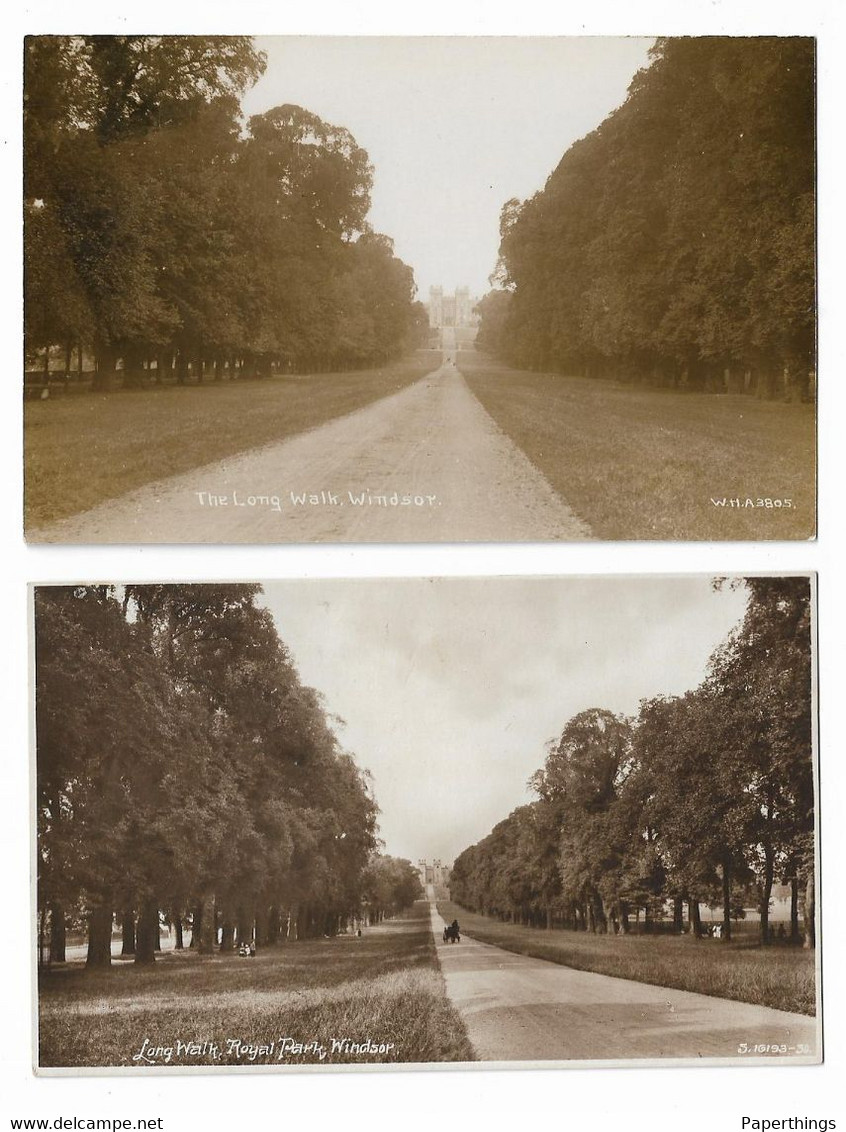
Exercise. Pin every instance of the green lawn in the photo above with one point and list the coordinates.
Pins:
(641, 463)
(385, 988)
(83, 448)
(778, 976)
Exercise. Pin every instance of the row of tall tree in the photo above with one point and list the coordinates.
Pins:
(168, 240)
(391, 884)
(185, 774)
(676, 242)
(701, 798)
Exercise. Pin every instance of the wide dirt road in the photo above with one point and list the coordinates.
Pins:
(427, 464)
(521, 1009)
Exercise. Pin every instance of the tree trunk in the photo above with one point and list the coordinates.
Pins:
(128, 933)
(164, 364)
(694, 918)
(678, 915)
(305, 921)
(734, 379)
(766, 894)
(262, 925)
(104, 375)
(245, 924)
(99, 938)
(624, 917)
(600, 915)
(795, 383)
(205, 927)
(42, 929)
(726, 901)
(794, 910)
(765, 386)
(177, 927)
(196, 926)
(58, 935)
(132, 373)
(274, 924)
(810, 912)
(227, 935)
(145, 935)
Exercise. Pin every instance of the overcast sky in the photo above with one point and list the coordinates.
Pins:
(450, 688)
(454, 126)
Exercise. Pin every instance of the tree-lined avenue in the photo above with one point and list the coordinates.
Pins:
(431, 444)
(521, 1009)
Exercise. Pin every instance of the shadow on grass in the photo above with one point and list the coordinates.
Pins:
(380, 998)
(636, 462)
(82, 450)
(779, 977)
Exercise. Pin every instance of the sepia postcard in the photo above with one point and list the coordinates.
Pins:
(510, 821)
(344, 290)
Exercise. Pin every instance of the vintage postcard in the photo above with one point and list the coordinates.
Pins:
(522, 821)
(437, 289)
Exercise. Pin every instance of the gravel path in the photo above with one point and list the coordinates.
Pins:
(427, 464)
(522, 1009)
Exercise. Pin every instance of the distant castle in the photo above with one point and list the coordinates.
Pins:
(451, 310)
(436, 873)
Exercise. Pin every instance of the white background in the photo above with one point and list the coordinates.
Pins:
(605, 1099)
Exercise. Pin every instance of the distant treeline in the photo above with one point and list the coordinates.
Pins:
(161, 236)
(701, 798)
(186, 775)
(675, 243)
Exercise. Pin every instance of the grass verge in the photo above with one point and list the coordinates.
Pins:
(638, 463)
(781, 977)
(305, 1003)
(85, 448)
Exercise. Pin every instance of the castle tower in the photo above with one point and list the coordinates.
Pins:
(462, 306)
(436, 306)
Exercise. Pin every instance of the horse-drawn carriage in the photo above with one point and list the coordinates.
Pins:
(451, 933)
